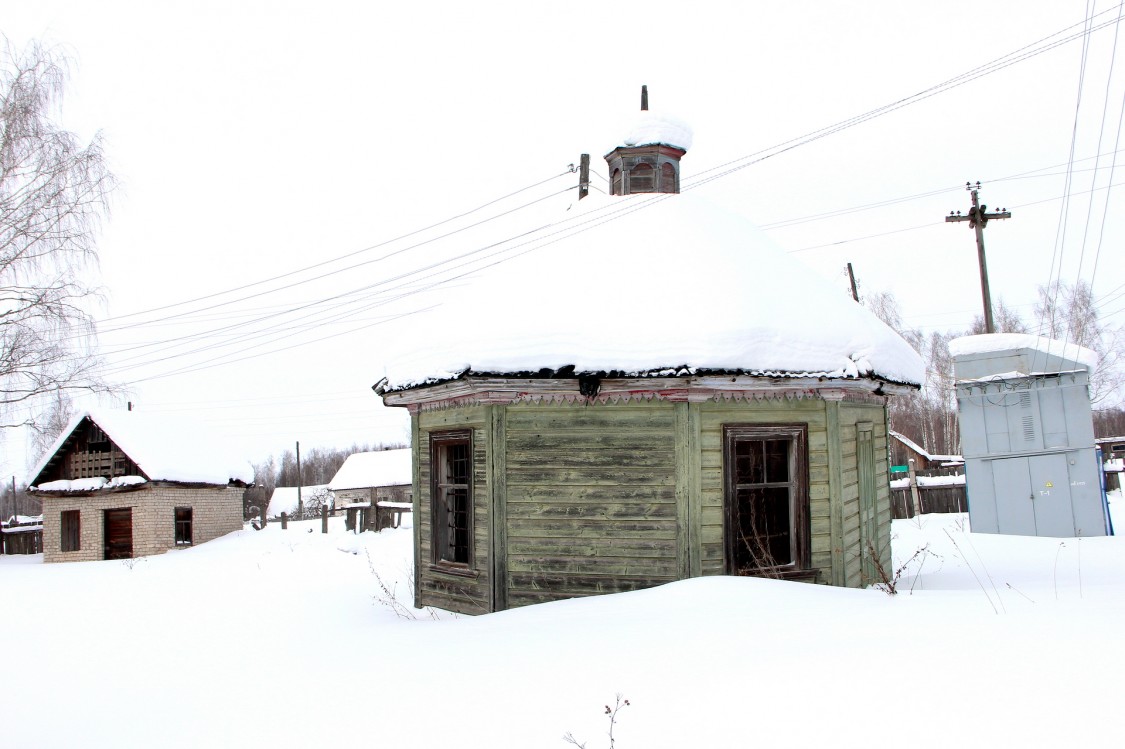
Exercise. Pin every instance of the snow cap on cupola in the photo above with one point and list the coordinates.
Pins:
(648, 159)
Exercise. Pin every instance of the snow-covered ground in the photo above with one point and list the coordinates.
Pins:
(283, 638)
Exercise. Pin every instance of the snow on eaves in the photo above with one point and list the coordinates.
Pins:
(165, 448)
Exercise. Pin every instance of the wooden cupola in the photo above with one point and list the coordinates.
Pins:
(649, 159)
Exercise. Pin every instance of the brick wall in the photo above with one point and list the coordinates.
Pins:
(216, 511)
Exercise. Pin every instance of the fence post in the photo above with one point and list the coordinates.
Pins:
(284, 520)
(914, 487)
(262, 515)
(324, 518)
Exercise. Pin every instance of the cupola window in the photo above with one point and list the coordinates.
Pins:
(642, 179)
(668, 178)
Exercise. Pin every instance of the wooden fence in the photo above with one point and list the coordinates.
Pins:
(932, 498)
(21, 541)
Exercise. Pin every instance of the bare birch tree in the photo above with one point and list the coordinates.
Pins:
(53, 195)
(1069, 313)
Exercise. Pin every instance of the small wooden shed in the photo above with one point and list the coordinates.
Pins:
(374, 488)
(122, 484)
(656, 395)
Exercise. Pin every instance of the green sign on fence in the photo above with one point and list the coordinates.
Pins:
(899, 469)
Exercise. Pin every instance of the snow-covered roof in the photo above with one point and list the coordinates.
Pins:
(23, 520)
(284, 498)
(165, 448)
(923, 452)
(649, 285)
(653, 128)
(377, 468)
(1000, 343)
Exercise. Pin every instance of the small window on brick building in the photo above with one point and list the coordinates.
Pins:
(71, 530)
(183, 526)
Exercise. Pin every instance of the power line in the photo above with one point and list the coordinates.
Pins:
(982, 70)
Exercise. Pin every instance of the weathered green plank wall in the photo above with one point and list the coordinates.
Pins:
(591, 499)
(713, 415)
(850, 414)
(467, 593)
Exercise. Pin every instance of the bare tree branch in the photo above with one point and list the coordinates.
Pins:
(54, 194)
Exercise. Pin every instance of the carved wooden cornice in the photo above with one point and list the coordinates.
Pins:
(474, 391)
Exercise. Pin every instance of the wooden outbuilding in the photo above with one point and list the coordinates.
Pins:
(22, 534)
(374, 488)
(655, 395)
(122, 484)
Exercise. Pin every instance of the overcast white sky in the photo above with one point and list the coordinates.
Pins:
(254, 139)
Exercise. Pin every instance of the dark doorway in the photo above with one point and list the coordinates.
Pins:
(118, 533)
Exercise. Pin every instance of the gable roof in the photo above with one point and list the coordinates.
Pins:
(376, 468)
(164, 448)
(648, 285)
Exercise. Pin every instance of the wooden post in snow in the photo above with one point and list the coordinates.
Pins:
(324, 518)
(284, 520)
(851, 277)
(914, 487)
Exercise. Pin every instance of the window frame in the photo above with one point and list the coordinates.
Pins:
(70, 531)
(178, 523)
(440, 444)
(799, 510)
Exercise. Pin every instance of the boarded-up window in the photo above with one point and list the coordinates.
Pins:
(642, 179)
(183, 526)
(668, 178)
(451, 474)
(71, 530)
(766, 482)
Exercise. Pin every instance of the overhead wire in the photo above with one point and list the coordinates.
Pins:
(1117, 143)
(1012, 58)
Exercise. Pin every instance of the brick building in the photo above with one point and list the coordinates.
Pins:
(122, 484)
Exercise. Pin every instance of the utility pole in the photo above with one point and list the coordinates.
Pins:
(584, 176)
(978, 218)
(851, 277)
(300, 505)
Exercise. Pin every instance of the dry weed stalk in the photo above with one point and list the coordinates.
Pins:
(612, 713)
(889, 584)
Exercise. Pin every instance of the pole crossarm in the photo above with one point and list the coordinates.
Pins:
(978, 218)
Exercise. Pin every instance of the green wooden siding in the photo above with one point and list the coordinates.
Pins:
(579, 499)
(591, 499)
(713, 415)
(471, 592)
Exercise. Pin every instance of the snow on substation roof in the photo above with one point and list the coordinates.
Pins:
(376, 468)
(165, 448)
(997, 343)
(645, 285)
